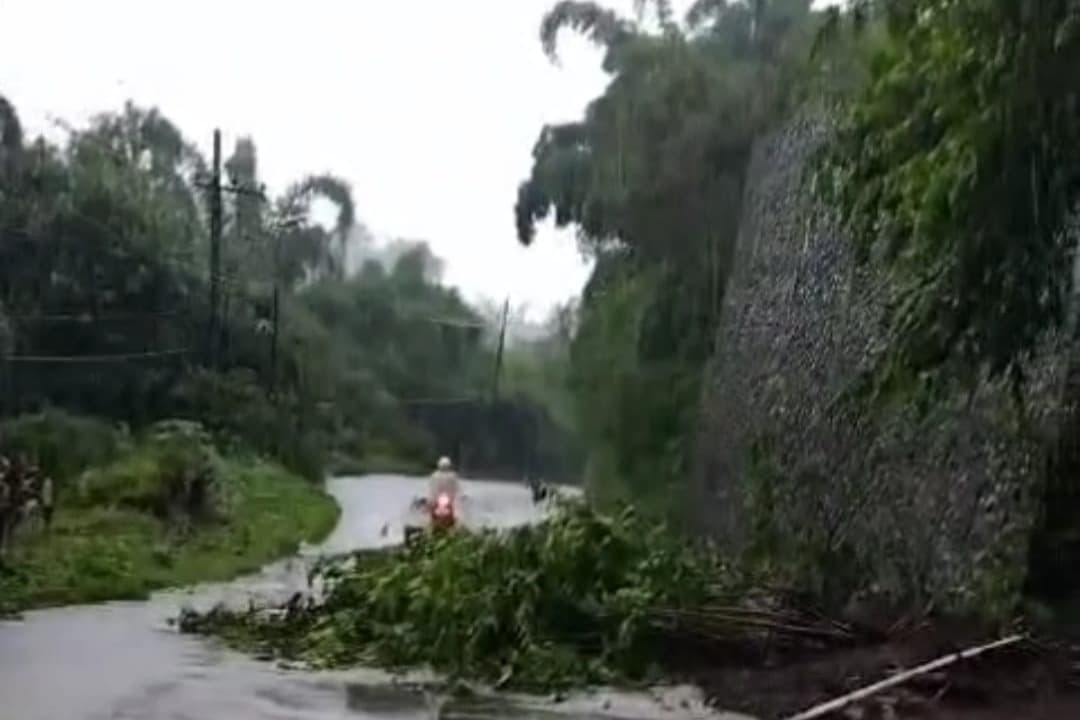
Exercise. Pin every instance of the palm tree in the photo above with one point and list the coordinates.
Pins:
(337, 191)
(307, 249)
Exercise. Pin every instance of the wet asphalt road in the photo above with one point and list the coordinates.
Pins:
(123, 661)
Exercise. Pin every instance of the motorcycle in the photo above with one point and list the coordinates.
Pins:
(441, 515)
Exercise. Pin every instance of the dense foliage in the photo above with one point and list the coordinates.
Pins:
(105, 302)
(652, 177)
(561, 603)
(955, 164)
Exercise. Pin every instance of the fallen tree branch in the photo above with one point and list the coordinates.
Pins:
(819, 711)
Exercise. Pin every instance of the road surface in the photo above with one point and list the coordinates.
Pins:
(124, 660)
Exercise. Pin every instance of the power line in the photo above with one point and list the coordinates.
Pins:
(463, 400)
(452, 322)
(94, 317)
(77, 359)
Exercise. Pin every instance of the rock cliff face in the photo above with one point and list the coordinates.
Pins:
(938, 502)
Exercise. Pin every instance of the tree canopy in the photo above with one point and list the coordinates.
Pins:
(104, 294)
(652, 178)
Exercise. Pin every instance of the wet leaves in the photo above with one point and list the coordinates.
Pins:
(542, 607)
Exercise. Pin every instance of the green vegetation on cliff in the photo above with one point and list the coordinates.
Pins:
(955, 166)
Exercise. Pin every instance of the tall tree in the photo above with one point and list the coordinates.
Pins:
(11, 141)
(652, 177)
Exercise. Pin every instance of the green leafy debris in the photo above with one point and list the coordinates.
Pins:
(560, 603)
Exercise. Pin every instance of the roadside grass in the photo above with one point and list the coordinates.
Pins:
(113, 552)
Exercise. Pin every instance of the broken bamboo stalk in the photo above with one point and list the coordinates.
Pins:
(819, 711)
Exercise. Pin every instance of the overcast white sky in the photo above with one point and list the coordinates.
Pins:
(430, 109)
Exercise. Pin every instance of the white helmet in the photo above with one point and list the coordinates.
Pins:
(444, 463)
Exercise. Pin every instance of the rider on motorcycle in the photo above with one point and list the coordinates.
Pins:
(444, 481)
(443, 496)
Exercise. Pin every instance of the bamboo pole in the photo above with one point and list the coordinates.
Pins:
(820, 711)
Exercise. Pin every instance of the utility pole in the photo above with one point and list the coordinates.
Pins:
(214, 197)
(275, 311)
(499, 351)
(491, 415)
(279, 230)
(215, 249)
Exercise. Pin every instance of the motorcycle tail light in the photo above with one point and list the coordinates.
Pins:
(443, 506)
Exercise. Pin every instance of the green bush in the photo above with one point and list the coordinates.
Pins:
(63, 444)
(173, 472)
(560, 603)
(237, 410)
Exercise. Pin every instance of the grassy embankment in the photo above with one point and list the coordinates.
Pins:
(124, 527)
